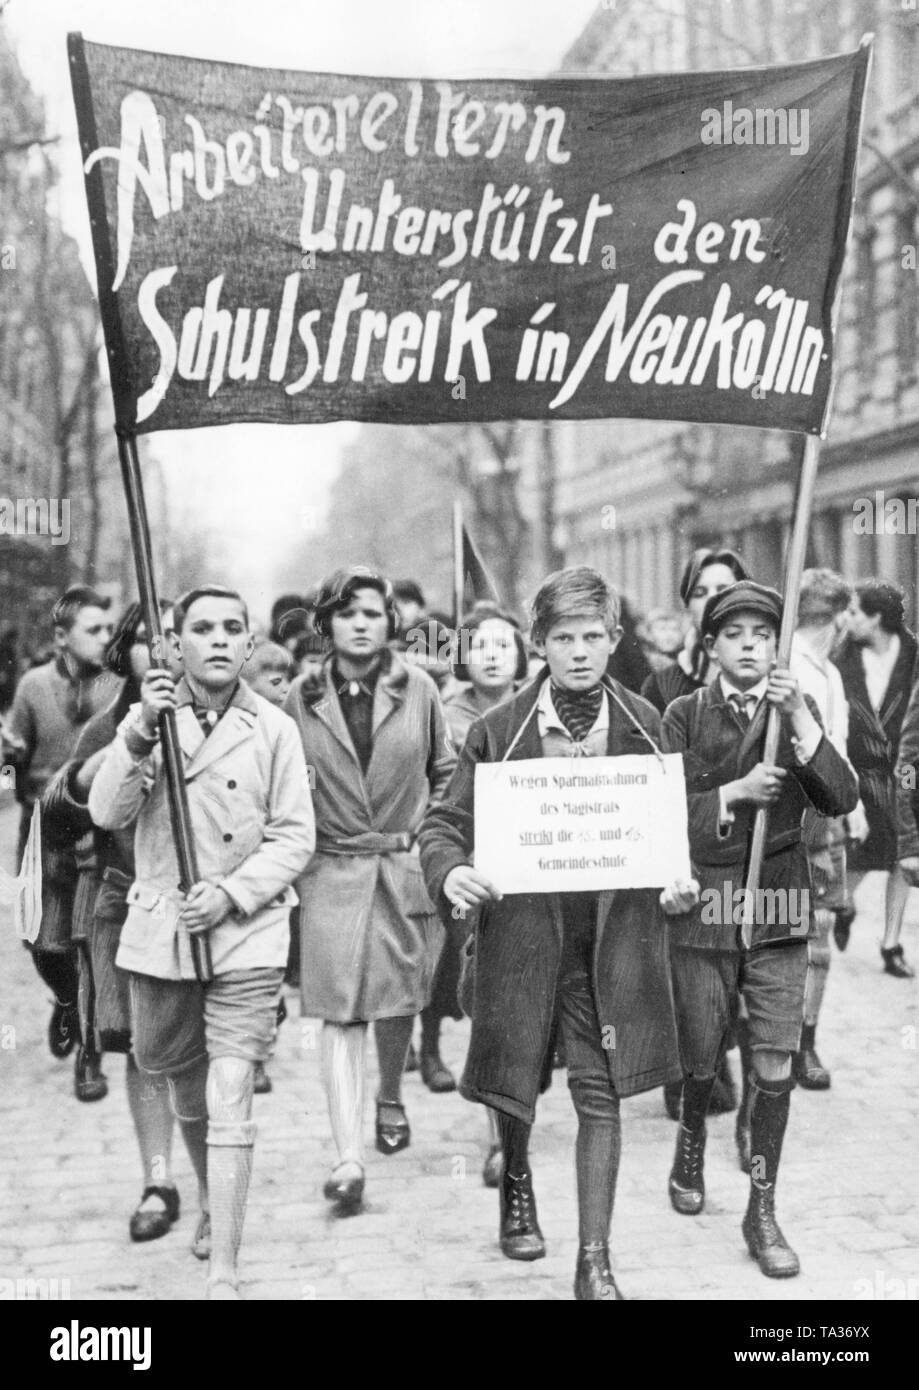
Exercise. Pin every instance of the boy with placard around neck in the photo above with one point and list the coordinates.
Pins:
(601, 957)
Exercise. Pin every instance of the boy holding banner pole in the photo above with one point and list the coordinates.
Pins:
(601, 956)
(720, 731)
(252, 819)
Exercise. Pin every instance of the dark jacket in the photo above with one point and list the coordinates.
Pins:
(906, 780)
(65, 814)
(519, 939)
(873, 745)
(666, 685)
(717, 749)
(68, 829)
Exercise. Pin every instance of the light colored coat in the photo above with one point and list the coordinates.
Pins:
(370, 937)
(253, 828)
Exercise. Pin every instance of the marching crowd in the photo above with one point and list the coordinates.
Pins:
(330, 774)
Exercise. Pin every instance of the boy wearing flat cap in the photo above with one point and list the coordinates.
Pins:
(719, 730)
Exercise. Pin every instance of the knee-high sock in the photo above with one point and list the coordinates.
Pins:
(515, 1143)
(230, 1141)
(768, 1121)
(597, 1152)
(188, 1094)
(393, 1036)
(894, 907)
(154, 1123)
(818, 965)
(343, 1072)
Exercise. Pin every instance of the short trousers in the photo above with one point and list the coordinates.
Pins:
(705, 984)
(177, 1023)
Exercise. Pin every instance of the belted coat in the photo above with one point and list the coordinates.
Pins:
(519, 939)
(874, 738)
(370, 938)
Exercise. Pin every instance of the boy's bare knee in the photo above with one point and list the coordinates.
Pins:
(229, 1088)
(771, 1064)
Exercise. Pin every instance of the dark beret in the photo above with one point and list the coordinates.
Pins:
(742, 597)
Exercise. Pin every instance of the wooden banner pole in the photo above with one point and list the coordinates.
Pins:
(794, 567)
(172, 753)
(794, 564)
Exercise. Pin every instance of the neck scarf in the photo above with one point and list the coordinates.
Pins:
(578, 709)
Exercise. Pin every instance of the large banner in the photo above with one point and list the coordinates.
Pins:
(290, 247)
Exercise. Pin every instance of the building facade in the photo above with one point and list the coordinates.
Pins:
(635, 497)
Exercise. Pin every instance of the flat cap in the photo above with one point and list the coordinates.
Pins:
(742, 597)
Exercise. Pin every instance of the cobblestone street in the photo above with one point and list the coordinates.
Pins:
(849, 1189)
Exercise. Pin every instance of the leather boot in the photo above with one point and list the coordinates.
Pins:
(809, 1071)
(764, 1237)
(89, 1081)
(521, 1238)
(593, 1279)
(687, 1184)
(768, 1120)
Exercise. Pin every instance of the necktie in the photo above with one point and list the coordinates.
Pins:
(207, 718)
(741, 704)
